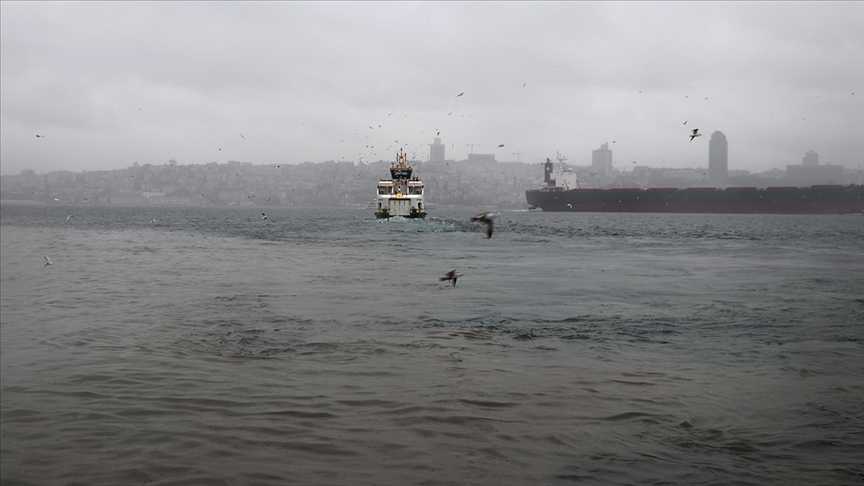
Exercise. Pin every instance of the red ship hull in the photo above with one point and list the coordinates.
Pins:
(734, 200)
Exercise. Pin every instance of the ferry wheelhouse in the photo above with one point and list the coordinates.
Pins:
(402, 195)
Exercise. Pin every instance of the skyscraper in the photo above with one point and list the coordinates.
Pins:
(601, 160)
(718, 159)
(436, 151)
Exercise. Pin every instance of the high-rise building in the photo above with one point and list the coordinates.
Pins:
(810, 158)
(436, 151)
(601, 160)
(718, 159)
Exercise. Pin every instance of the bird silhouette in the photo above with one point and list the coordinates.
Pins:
(451, 276)
(49, 262)
(460, 94)
(488, 220)
(263, 216)
(695, 133)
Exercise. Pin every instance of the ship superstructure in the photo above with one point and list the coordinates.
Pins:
(402, 194)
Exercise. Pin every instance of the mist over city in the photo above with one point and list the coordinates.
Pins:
(111, 86)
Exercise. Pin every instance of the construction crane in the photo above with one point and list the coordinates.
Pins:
(519, 152)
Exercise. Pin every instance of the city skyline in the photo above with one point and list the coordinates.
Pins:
(601, 162)
(99, 86)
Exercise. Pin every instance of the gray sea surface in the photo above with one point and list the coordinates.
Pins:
(209, 346)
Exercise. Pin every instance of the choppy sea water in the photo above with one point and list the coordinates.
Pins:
(319, 347)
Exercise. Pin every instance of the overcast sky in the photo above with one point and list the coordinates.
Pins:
(112, 83)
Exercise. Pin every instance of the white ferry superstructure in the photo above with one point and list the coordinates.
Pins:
(402, 194)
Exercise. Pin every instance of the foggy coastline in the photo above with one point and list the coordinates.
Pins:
(327, 184)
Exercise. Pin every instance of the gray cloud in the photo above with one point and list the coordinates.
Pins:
(109, 83)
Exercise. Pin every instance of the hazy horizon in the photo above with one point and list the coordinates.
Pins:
(107, 84)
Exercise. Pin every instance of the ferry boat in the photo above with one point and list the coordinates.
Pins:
(402, 194)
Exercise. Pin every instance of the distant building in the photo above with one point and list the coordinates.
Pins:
(481, 157)
(601, 160)
(718, 159)
(806, 175)
(436, 151)
(810, 172)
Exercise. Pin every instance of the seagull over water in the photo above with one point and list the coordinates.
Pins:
(263, 216)
(451, 276)
(49, 262)
(695, 133)
(488, 220)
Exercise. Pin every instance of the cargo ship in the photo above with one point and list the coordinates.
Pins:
(735, 200)
(402, 194)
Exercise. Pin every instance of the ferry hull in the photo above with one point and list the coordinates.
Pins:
(404, 207)
(738, 200)
(413, 214)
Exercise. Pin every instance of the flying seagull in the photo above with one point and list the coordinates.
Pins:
(501, 145)
(488, 220)
(460, 94)
(68, 218)
(695, 133)
(263, 216)
(40, 136)
(452, 276)
(241, 136)
(49, 262)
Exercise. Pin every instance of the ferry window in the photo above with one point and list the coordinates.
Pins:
(383, 190)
